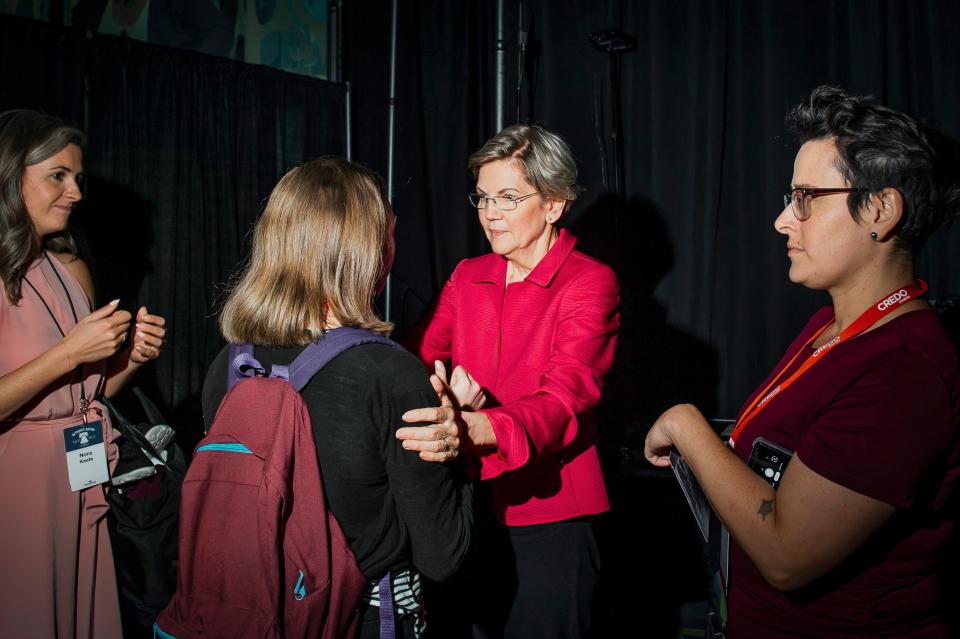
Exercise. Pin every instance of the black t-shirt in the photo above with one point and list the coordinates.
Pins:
(393, 506)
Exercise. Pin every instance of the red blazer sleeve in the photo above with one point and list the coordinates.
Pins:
(551, 417)
(433, 339)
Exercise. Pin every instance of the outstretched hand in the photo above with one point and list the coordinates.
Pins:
(439, 442)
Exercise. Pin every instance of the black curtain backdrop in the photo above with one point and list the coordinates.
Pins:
(707, 306)
(443, 109)
(706, 157)
(182, 150)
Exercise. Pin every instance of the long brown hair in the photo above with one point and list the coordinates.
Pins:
(26, 138)
(317, 249)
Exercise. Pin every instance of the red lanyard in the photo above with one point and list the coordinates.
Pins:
(871, 316)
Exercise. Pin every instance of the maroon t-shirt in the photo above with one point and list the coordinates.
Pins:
(880, 415)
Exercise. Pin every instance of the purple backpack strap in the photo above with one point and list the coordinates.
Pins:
(388, 627)
(242, 364)
(317, 355)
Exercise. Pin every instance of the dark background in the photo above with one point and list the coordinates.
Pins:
(706, 158)
(183, 148)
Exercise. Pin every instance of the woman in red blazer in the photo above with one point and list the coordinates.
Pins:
(534, 323)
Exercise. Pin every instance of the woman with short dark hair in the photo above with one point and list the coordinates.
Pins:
(865, 404)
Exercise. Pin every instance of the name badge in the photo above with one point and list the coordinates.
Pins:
(86, 455)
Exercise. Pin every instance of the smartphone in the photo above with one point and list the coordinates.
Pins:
(769, 460)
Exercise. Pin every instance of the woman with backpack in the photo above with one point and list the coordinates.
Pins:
(321, 252)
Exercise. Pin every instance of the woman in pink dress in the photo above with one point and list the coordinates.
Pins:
(58, 357)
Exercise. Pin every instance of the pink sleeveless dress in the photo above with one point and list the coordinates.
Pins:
(56, 566)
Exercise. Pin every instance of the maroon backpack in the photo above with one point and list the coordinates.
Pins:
(261, 555)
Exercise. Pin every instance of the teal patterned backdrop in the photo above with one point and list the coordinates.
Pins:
(285, 34)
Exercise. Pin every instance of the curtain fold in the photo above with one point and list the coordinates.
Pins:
(182, 150)
(706, 156)
(707, 306)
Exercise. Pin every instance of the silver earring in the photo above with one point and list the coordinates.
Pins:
(873, 235)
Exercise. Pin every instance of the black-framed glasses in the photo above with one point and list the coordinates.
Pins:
(798, 199)
(506, 202)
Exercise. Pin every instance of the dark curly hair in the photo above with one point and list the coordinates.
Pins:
(881, 148)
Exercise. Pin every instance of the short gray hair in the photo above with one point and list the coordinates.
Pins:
(545, 158)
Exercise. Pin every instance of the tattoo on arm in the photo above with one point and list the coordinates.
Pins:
(766, 507)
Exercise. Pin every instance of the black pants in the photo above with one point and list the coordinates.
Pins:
(521, 582)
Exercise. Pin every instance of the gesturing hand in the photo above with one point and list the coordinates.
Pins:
(467, 394)
(149, 338)
(440, 442)
(97, 336)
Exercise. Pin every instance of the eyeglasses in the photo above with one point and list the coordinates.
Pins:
(506, 202)
(800, 199)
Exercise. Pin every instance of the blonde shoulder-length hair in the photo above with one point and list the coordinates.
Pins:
(318, 253)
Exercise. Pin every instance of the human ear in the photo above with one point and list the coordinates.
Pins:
(555, 210)
(885, 212)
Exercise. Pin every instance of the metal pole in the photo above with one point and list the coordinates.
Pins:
(500, 46)
(616, 122)
(521, 56)
(349, 109)
(391, 140)
(334, 23)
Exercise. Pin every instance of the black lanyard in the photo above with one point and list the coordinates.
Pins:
(83, 396)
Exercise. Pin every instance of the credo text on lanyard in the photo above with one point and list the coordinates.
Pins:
(868, 318)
